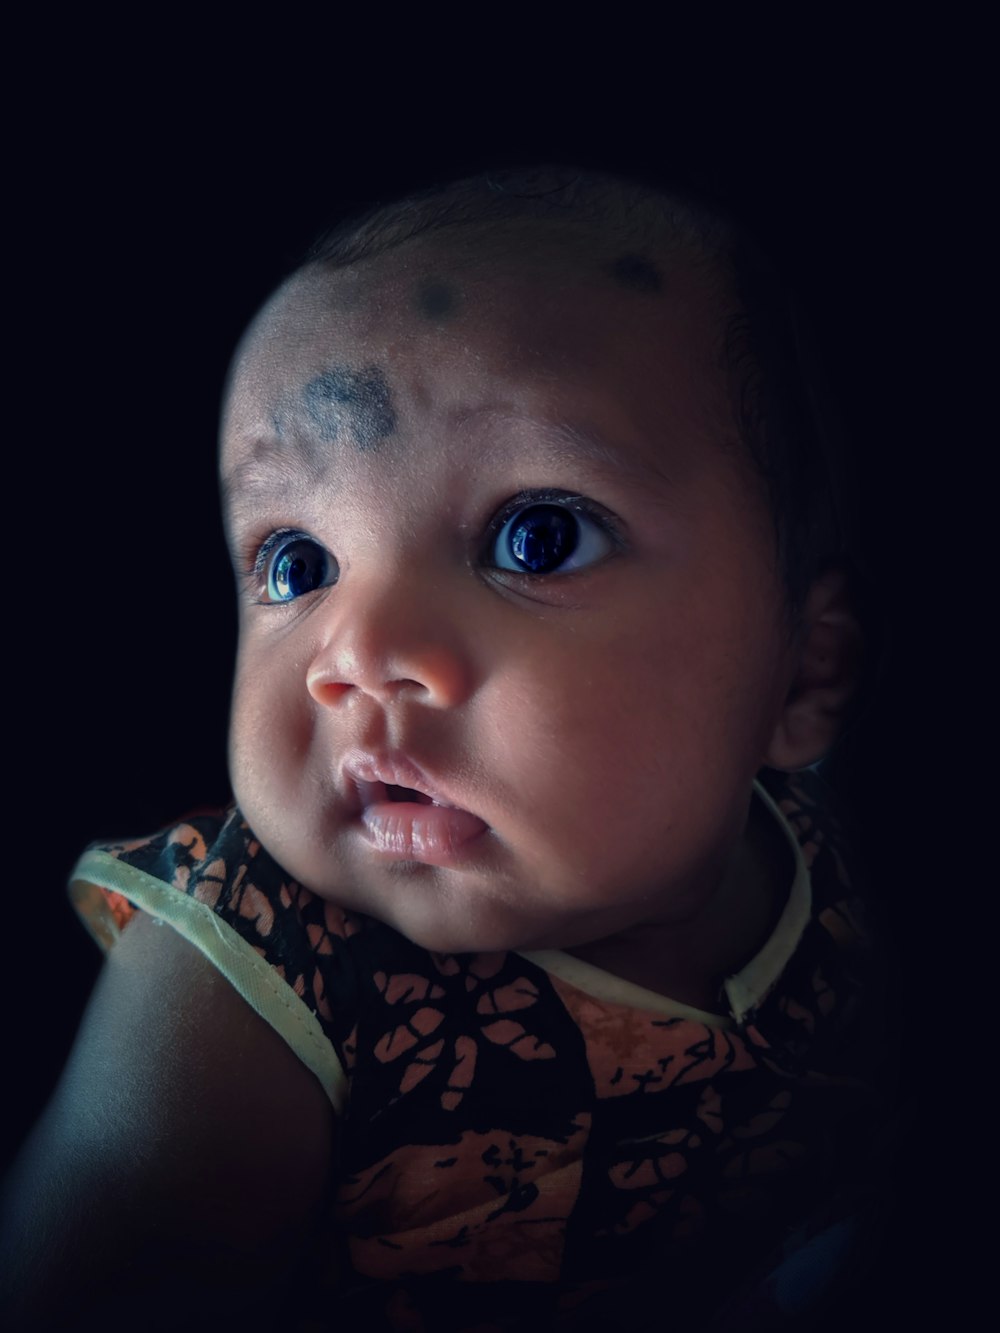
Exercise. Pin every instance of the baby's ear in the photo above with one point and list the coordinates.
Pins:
(827, 679)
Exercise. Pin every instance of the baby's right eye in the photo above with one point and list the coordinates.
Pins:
(292, 566)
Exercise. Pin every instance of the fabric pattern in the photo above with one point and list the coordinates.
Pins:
(517, 1153)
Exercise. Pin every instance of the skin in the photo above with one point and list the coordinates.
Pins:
(142, 1154)
(607, 722)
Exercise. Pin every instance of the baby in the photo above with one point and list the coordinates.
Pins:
(519, 988)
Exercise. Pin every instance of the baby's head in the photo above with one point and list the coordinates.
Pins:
(535, 573)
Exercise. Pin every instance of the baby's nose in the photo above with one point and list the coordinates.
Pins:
(392, 643)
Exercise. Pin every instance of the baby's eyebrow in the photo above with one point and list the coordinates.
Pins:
(564, 443)
(339, 403)
(271, 468)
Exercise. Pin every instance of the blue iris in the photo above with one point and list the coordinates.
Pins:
(546, 538)
(298, 567)
(542, 538)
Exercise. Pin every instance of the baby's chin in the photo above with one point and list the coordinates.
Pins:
(435, 909)
(453, 937)
(445, 928)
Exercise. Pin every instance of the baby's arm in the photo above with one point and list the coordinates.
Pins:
(186, 1149)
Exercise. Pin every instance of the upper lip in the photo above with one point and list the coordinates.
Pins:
(364, 770)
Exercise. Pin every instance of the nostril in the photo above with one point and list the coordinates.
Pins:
(433, 676)
(327, 691)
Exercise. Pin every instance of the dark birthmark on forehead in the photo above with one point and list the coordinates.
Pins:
(637, 274)
(343, 402)
(435, 299)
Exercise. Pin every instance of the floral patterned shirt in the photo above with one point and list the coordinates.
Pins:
(524, 1140)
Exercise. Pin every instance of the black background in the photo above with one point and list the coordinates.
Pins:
(158, 209)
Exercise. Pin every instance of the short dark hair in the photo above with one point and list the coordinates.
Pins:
(786, 416)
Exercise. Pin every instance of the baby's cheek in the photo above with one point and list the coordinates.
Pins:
(261, 745)
(245, 735)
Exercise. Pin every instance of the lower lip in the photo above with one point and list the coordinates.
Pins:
(437, 835)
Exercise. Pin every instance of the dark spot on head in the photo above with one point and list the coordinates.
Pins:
(637, 274)
(342, 402)
(435, 299)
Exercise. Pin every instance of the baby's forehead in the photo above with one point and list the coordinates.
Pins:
(513, 288)
(546, 322)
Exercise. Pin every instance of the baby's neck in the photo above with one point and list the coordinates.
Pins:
(690, 962)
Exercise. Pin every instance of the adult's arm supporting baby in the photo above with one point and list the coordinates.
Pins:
(186, 1150)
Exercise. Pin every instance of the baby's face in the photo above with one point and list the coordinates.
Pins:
(511, 645)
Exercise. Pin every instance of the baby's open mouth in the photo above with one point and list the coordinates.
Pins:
(396, 793)
(423, 827)
(370, 779)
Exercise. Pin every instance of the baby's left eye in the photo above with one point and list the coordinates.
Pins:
(543, 538)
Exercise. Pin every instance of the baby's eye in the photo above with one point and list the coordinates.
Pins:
(543, 537)
(294, 566)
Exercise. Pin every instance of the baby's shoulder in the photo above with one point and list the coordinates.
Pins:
(164, 1133)
(292, 956)
(209, 861)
